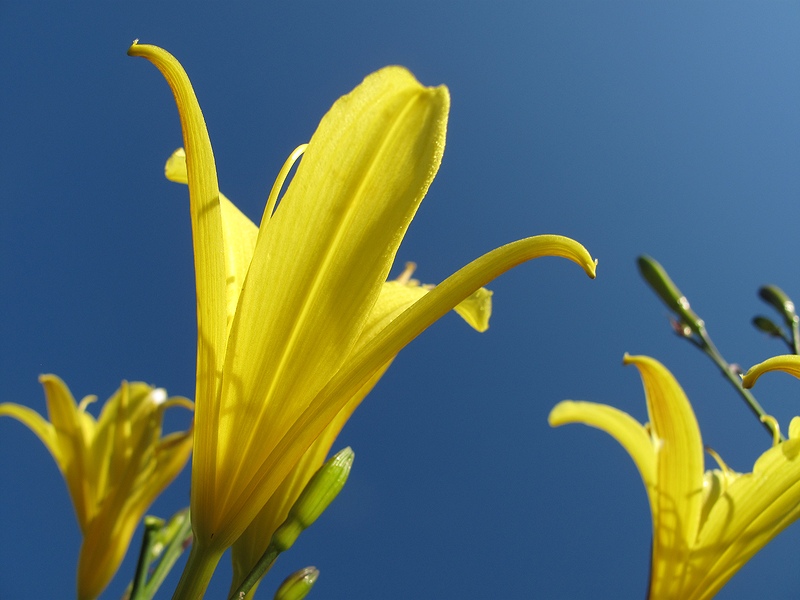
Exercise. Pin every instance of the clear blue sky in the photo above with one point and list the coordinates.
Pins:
(671, 129)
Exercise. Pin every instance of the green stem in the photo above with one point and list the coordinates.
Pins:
(796, 336)
(173, 551)
(707, 346)
(197, 572)
(261, 567)
(143, 565)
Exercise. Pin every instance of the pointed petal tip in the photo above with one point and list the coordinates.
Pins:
(137, 49)
(175, 167)
(587, 263)
(133, 48)
(593, 272)
(577, 253)
(639, 359)
(564, 247)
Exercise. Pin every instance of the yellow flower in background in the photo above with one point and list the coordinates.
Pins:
(282, 311)
(706, 524)
(114, 466)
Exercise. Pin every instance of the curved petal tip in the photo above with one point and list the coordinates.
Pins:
(787, 362)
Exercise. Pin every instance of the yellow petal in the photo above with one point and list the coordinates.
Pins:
(396, 297)
(38, 425)
(320, 262)
(125, 418)
(619, 425)
(678, 498)
(476, 309)
(209, 254)
(175, 169)
(788, 363)
(794, 428)
(73, 444)
(756, 507)
(239, 234)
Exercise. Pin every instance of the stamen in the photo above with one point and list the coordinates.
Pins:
(279, 181)
(86, 402)
(723, 467)
(772, 423)
(405, 276)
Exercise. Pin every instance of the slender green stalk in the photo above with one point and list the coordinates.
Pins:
(139, 584)
(175, 547)
(262, 566)
(197, 573)
(709, 349)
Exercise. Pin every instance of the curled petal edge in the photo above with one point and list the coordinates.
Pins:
(788, 363)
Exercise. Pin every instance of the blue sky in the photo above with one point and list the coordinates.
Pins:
(671, 129)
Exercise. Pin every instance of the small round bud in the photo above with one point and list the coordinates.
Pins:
(767, 326)
(297, 585)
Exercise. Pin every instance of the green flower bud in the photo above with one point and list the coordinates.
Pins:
(767, 326)
(152, 522)
(775, 296)
(297, 585)
(319, 492)
(658, 280)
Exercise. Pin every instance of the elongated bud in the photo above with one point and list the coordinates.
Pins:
(319, 492)
(168, 531)
(766, 325)
(297, 585)
(658, 280)
(776, 297)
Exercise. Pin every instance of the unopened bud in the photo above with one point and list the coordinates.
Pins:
(297, 585)
(152, 522)
(319, 492)
(776, 297)
(766, 325)
(658, 280)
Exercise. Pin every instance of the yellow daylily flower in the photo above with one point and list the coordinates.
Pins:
(114, 466)
(706, 525)
(280, 345)
(394, 298)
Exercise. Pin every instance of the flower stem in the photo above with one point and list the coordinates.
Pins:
(258, 571)
(175, 547)
(139, 583)
(709, 349)
(197, 573)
